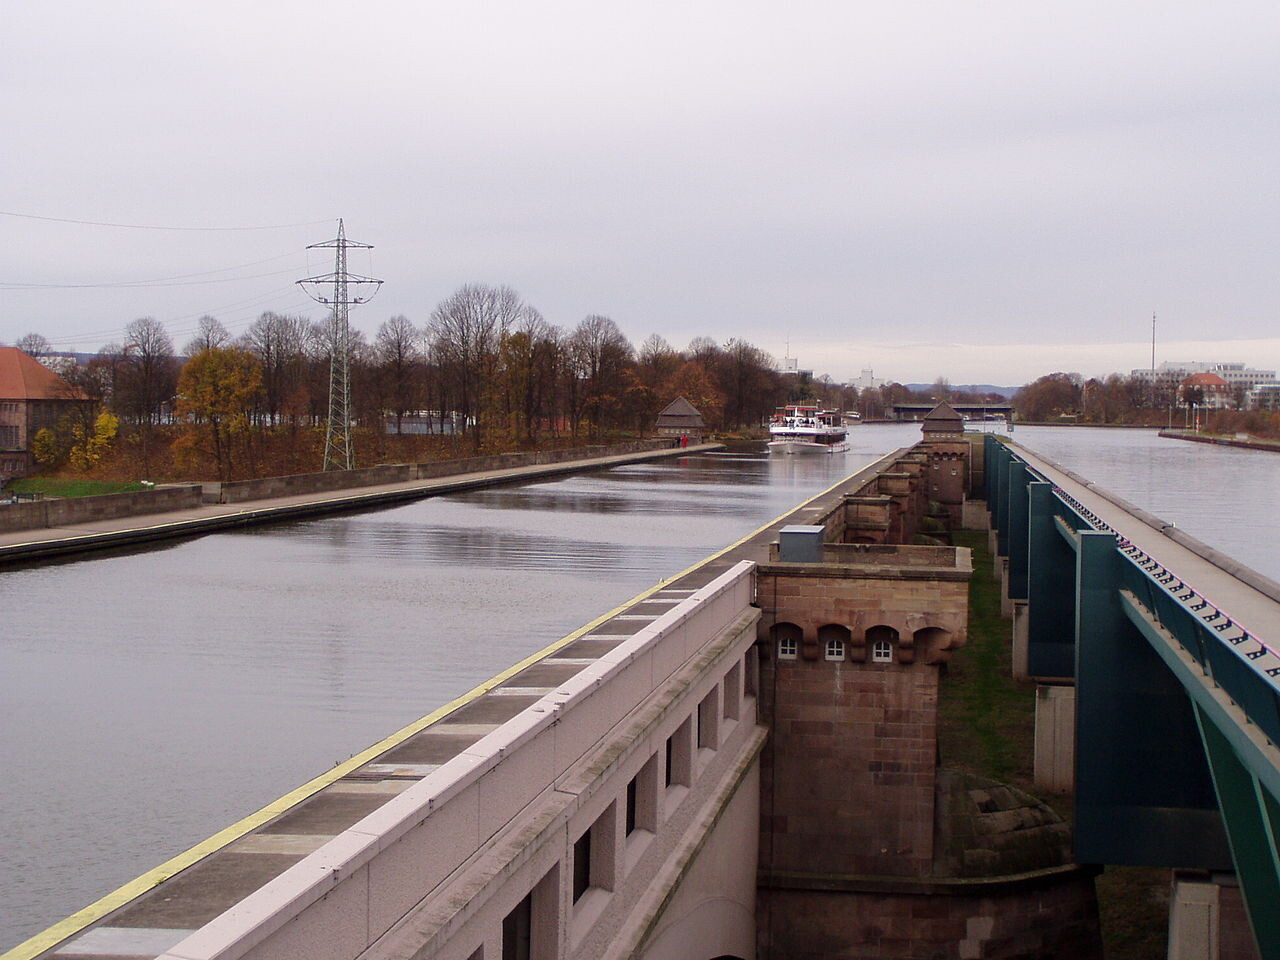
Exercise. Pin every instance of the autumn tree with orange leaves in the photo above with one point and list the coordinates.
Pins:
(216, 395)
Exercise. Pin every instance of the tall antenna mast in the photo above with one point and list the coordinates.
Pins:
(1154, 392)
(338, 452)
(1153, 346)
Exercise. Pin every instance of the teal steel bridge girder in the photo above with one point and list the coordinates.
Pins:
(1178, 707)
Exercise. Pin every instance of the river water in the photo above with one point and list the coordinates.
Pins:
(150, 698)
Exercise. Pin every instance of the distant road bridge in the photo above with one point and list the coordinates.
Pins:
(974, 411)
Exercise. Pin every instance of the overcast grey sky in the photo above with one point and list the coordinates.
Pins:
(984, 191)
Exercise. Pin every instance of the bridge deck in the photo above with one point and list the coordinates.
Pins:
(1254, 606)
(22, 545)
(148, 916)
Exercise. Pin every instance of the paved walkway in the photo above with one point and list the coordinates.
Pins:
(147, 916)
(25, 545)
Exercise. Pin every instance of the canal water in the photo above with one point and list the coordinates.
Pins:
(1229, 497)
(150, 698)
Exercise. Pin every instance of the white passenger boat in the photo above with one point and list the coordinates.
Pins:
(799, 428)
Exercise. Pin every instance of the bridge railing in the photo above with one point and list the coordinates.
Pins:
(1246, 668)
(1177, 702)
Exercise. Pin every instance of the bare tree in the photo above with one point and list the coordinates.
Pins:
(279, 341)
(603, 353)
(705, 350)
(399, 360)
(210, 335)
(529, 363)
(750, 385)
(148, 381)
(34, 344)
(466, 330)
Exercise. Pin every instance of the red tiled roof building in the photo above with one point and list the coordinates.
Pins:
(1215, 391)
(32, 397)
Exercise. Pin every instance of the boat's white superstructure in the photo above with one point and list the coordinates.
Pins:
(801, 428)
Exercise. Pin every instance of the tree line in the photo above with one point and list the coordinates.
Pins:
(486, 369)
(1132, 400)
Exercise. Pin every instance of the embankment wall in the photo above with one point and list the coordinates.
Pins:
(72, 510)
(240, 491)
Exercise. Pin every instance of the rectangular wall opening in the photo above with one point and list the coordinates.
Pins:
(709, 721)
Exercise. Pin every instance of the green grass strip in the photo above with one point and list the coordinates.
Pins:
(57, 487)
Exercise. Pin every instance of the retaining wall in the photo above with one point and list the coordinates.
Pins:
(1272, 446)
(239, 491)
(61, 513)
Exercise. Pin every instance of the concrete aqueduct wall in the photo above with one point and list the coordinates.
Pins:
(239, 491)
(485, 846)
(63, 512)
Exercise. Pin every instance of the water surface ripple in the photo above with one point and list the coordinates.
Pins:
(150, 698)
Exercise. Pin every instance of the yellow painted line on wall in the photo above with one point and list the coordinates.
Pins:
(69, 927)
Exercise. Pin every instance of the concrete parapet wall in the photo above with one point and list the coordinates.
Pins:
(60, 513)
(436, 870)
(240, 491)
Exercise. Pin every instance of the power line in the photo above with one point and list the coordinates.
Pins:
(140, 284)
(259, 300)
(21, 285)
(147, 226)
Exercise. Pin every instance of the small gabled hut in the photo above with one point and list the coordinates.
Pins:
(680, 418)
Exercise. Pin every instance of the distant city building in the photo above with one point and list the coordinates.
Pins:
(1264, 396)
(1172, 372)
(791, 366)
(867, 381)
(32, 397)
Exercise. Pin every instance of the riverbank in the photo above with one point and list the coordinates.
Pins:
(103, 529)
(1252, 443)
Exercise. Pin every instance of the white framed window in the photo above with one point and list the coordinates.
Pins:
(834, 650)
(787, 648)
(881, 651)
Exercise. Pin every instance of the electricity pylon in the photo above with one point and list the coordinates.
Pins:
(338, 452)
